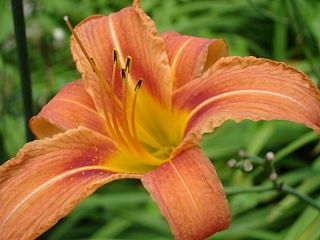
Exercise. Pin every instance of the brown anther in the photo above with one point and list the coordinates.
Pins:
(128, 64)
(138, 84)
(115, 57)
(123, 73)
(94, 63)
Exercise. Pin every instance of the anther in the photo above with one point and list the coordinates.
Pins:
(128, 64)
(123, 73)
(138, 84)
(133, 112)
(94, 63)
(115, 56)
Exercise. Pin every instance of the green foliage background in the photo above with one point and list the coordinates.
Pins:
(283, 30)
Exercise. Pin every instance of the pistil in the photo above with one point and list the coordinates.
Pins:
(95, 68)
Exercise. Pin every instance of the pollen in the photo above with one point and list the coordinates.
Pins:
(96, 149)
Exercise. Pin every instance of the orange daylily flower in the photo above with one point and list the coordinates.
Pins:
(111, 124)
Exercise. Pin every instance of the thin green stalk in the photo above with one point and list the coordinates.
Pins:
(275, 187)
(301, 196)
(237, 190)
(19, 28)
(268, 167)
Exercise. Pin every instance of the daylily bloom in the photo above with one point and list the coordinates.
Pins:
(139, 111)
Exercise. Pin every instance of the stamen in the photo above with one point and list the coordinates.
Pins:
(132, 139)
(105, 112)
(124, 77)
(113, 106)
(138, 84)
(90, 59)
(133, 112)
(115, 55)
(123, 74)
(128, 64)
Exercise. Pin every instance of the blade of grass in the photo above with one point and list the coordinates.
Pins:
(111, 229)
(291, 147)
(261, 137)
(307, 218)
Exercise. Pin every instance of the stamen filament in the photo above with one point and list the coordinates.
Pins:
(125, 125)
(133, 112)
(113, 107)
(131, 138)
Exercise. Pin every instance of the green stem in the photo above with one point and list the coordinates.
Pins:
(301, 196)
(275, 187)
(19, 28)
(237, 190)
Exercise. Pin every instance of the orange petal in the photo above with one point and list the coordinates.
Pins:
(190, 195)
(133, 34)
(247, 88)
(49, 177)
(70, 108)
(190, 56)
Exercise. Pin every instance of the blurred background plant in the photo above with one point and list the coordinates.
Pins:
(283, 30)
